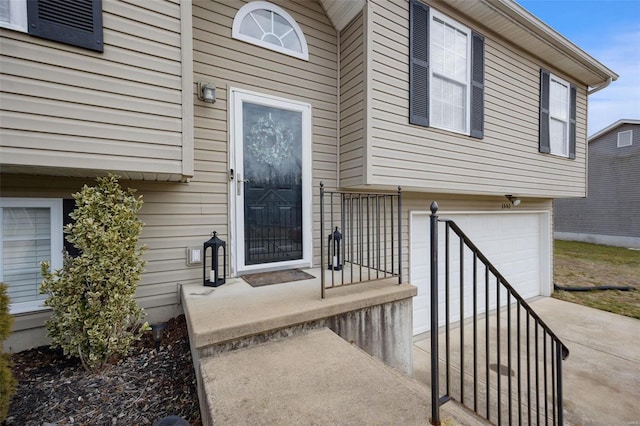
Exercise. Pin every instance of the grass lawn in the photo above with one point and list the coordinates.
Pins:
(579, 264)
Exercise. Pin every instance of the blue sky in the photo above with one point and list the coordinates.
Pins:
(609, 31)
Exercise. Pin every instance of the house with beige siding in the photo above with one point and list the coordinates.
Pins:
(465, 103)
(609, 213)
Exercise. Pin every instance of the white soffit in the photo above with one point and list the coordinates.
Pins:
(341, 12)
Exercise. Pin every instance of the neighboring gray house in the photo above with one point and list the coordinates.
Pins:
(610, 214)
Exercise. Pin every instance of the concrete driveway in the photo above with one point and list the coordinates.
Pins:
(602, 373)
(601, 377)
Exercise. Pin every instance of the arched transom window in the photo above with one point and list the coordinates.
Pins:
(269, 26)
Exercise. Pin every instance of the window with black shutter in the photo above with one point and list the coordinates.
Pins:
(77, 22)
(557, 122)
(446, 73)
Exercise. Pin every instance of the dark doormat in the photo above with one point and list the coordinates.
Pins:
(278, 277)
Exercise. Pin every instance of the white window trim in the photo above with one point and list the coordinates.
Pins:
(257, 5)
(626, 132)
(18, 18)
(553, 77)
(237, 97)
(55, 210)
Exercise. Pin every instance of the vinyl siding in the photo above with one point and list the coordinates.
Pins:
(227, 63)
(505, 161)
(87, 112)
(178, 215)
(613, 202)
(352, 103)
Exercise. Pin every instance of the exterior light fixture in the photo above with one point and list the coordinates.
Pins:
(206, 92)
(214, 279)
(514, 200)
(156, 330)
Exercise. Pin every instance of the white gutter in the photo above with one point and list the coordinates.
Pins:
(599, 87)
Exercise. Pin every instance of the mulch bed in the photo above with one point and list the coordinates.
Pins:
(140, 389)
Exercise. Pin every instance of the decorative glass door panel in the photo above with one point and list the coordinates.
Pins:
(271, 179)
(273, 184)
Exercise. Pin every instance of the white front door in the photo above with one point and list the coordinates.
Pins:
(271, 186)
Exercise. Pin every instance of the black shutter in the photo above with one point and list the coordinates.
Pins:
(572, 122)
(74, 22)
(68, 206)
(477, 86)
(419, 63)
(544, 113)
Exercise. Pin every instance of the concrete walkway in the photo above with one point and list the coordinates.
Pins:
(601, 377)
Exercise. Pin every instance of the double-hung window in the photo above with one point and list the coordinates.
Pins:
(446, 73)
(30, 233)
(557, 116)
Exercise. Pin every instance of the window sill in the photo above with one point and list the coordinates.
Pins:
(447, 130)
(559, 155)
(15, 27)
(28, 308)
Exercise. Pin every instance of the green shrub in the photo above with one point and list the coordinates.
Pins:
(7, 382)
(95, 316)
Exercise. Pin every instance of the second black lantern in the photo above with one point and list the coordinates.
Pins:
(334, 245)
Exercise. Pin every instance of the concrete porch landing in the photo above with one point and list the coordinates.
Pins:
(235, 310)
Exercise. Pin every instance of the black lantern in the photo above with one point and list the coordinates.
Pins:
(211, 278)
(334, 261)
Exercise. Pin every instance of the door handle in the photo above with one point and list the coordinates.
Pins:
(240, 183)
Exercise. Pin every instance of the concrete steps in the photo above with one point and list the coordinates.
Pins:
(315, 378)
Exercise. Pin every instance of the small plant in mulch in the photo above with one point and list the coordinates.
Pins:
(95, 316)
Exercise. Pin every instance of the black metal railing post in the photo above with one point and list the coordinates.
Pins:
(322, 290)
(559, 356)
(435, 376)
(399, 235)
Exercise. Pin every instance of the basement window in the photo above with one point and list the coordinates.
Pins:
(30, 233)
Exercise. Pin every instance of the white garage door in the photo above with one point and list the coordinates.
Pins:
(516, 243)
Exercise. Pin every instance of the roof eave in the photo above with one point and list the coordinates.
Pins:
(514, 23)
(613, 126)
(546, 43)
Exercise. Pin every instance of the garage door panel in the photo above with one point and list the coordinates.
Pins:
(510, 241)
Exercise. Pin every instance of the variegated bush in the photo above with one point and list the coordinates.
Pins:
(95, 316)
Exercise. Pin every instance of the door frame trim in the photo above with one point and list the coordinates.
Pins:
(235, 98)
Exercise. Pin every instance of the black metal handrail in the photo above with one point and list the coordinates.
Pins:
(537, 396)
(364, 239)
